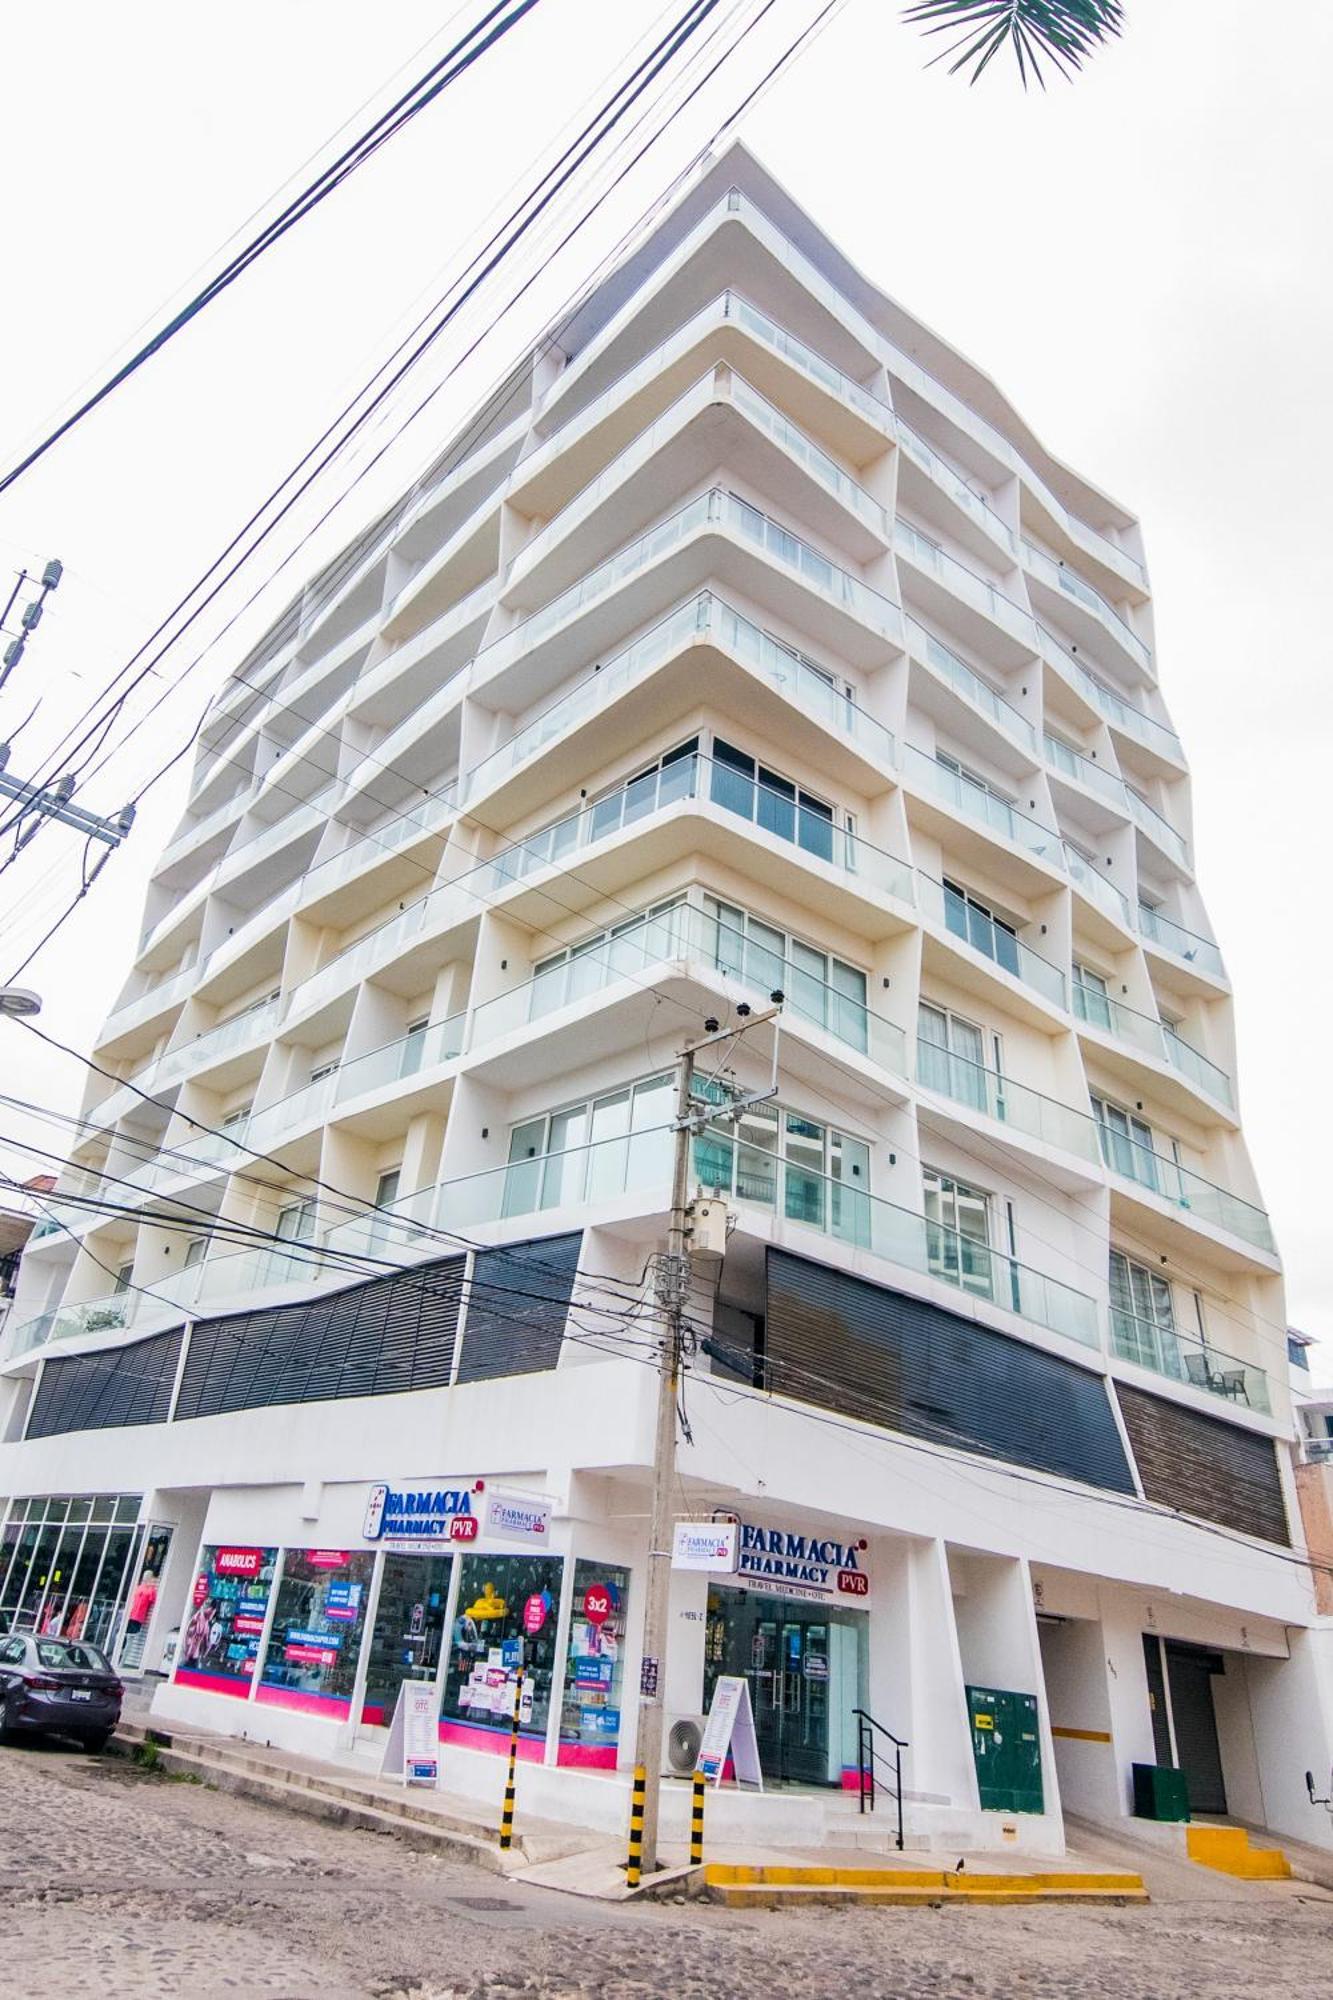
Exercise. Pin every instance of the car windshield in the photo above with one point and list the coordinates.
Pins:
(58, 1653)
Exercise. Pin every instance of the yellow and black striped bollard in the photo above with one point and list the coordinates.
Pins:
(635, 1867)
(507, 1816)
(697, 1820)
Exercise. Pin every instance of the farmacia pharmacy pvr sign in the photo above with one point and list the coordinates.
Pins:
(795, 1565)
(424, 1516)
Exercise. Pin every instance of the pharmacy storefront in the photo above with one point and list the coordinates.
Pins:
(456, 1585)
(791, 1616)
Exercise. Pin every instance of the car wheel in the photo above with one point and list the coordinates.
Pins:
(97, 1741)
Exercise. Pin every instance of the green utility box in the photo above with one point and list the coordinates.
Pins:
(1007, 1748)
(1160, 1792)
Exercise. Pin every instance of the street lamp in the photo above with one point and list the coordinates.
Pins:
(19, 1002)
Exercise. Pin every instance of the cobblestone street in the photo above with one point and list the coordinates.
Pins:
(116, 1882)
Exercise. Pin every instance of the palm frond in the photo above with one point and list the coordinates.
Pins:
(1062, 32)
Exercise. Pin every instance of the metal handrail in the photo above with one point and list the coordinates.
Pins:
(866, 1756)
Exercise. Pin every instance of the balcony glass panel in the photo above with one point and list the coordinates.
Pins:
(955, 485)
(999, 1097)
(1120, 714)
(1096, 887)
(993, 940)
(961, 678)
(817, 463)
(1168, 1352)
(1061, 577)
(1165, 1176)
(974, 802)
(975, 590)
(419, 1050)
(1173, 937)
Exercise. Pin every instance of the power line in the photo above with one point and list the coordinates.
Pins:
(483, 35)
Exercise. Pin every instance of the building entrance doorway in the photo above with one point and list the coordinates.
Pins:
(1180, 1687)
(406, 1640)
(805, 1665)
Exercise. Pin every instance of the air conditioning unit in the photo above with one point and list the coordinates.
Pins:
(684, 1734)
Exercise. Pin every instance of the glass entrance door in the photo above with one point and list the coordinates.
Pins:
(406, 1641)
(805, 1665)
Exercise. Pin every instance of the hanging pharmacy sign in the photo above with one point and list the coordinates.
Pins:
(803, 1562)
(415, 1517)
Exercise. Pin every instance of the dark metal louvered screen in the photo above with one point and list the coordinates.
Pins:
(517, 1307)
(107, 1390)
(1205, 1466)
(863, 1350)
(376, 1339)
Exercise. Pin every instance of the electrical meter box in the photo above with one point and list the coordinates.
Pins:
(1006, 1744)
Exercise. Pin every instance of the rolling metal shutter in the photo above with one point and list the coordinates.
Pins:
(865, 1351)
(104, 1391)
(1205, 1466)
(517, 1306)
(377, 1339)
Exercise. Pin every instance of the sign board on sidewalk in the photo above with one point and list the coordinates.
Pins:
(730, 1728)
(706, 1545)
(412, 1752)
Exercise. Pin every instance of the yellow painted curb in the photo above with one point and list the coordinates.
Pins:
(1227, 1849)
(737, 1884)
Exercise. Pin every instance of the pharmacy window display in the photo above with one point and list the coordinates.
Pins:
(594, 1666)
(508, 1608)
(318, 1620)
(225, 1620)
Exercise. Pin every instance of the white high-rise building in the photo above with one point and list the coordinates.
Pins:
(751, 644)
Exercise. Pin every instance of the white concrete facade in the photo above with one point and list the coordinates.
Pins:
(753, 643)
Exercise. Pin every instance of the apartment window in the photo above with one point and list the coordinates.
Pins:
(591, 1151)
(958, 1232)
(324, 1069)
(1092, 997)
(386, 1187)
(414, 1046)
(971, 779)
(1143, 1321)
(1127, 1143)
(750, 789)
(951, 1058)
(296, 1222)
(195, 1251)
(778, 1158)
(660, 783)
(238, 1116)
(819, 987)
(124, 1277)
(641, 940)
(976, 922)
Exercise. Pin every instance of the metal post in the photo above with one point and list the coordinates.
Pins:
(672, 1286)
(507, 1816)
(697, 1819)
(634, 1866)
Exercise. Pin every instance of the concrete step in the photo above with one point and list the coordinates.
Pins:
(304, 1792)
(774, 1886)
(1228, 1850)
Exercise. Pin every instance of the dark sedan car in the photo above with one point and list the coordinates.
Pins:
(58, 1687)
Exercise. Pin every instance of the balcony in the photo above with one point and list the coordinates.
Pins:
(307, 1106)
(255, 1024)
(413, 1054)
(681, 933)
(1008, 1103)
(1169, 1353)
(1152, 1037)
(973, 802)
(702, 619)
(1086, 771)
(1162, 1175)
(977, 508)
(1171, 937)
(1130, 721)
(66, 1322)
(1058, 576)
(1160, 831)
(962, 583)
(990, 940)
(818, 464)
(426, 817)
(956, 674)
(1096, 888)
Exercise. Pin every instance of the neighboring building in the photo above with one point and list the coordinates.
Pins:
(16, 1226)
(753, 643)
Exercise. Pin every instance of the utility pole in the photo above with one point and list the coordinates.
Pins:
(672, 1285)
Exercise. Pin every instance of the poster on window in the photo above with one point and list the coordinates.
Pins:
(590, 1711)
(224, 1619)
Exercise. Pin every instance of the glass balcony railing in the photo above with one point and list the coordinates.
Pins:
(974, 802)
(1168, 1352)
(1096, 888)
(108, 1314)
(960, 677)
(307, 1106)
(807, 359)
(975, 590)
(820, 466)
(874, 610)
(704, 617)
(1157, 829)
(412, 1054)
(1086, 771)
(1153, 1037)
(425, 816)
(992, 940)
(1173, 937)
(1120, 714)
(1060, 577)
(255, 1024)
(626, 562)
(1009, 1103)
(685, 932)
(1162, 1175)
(355, 961)
(957, 488)
(693, 776)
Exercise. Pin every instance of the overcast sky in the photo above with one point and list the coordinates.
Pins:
(1140, 259)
